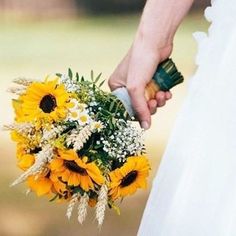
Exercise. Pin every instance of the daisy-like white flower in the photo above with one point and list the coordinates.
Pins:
(78, 112)
(97, 125)
(84, 118)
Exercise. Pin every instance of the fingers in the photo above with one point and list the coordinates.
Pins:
(140, 105)
(152, 105)
(168, 95)
(162, 97)
(143, 63)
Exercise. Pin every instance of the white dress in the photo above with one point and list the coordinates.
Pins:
(194, 191)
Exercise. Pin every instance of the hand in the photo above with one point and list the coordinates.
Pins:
(152, 44)
(120, 78)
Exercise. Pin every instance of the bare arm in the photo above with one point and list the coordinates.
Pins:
(152, 44)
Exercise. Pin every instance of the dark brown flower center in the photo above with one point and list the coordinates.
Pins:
(36, 150)
(48, 103)
(72, 166)
(129, 178)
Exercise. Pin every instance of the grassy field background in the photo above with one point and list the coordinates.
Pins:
(34, 49)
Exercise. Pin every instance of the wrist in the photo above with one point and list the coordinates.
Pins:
(157, 47)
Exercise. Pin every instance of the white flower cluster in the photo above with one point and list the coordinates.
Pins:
(127, 140)
(70, 84)
(79, 112)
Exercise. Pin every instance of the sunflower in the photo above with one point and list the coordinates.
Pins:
(18, 138)
(40, 184)
(76, 171)
(128, 178)
(58, 186)
(46, 183)
(47, 100)
(25, 161)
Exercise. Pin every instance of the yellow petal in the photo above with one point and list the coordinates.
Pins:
(26, 161)
(56, 164)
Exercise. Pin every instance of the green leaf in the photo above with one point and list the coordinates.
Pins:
(77, 76)
(97, 146)
(98, 77)
(111, 106)
(113, 120)
(70, 74)
(92, 75)
(59, 75)
(101, 84)
(54, 198)
(111, 124)
(78, 190)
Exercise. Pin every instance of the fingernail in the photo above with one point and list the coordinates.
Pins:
(145, 125)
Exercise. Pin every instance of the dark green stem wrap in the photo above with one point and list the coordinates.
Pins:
(167, 75)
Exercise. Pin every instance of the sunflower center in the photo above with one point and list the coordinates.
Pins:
(129, 178)
(36, 150)
(48, 103)
(72, 166)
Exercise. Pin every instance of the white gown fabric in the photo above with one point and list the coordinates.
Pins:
(194, 191)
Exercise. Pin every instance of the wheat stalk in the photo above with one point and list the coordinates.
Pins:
(101, 204)
(71, 205)
(82, 208)
(42, 158)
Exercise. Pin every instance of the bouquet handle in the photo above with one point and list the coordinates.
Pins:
(166, 77)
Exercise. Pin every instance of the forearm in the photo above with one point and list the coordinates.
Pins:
(160, 20)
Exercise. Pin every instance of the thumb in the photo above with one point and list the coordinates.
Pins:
(140, 105)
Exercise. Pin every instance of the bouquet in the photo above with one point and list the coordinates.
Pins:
(77, 143)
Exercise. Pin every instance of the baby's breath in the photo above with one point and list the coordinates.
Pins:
(127, 140)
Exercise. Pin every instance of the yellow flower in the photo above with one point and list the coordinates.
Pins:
(25, 161)
(21, 149)
(76, 171)
(47, 183)
(45, 100)
(18, 138)
(40, 184)
(128, 178)
(58, 186)
(17, 105)
(28, 143)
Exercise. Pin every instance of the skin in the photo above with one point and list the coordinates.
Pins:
(153, 43)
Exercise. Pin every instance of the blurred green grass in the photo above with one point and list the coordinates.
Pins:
(37, 48)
